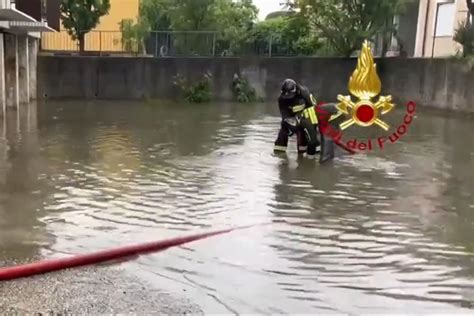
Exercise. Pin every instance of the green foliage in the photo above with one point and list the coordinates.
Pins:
(231, 19)
(464, 35)
(182, 15)
(186, 15)
(196, 15)
(274, 27)
(243, 91)
(134, 34)
(80, 16)
(323, 27)
(155, 13)
(467, 62)
(196, 93)
(346, 24)
(234, 20)
(289, 35)
(277, 14)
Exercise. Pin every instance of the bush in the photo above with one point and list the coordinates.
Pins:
(467, 61)
(133, 35)
(243, 91)
(197, 93)
(464, 35)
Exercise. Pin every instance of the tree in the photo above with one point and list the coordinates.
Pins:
(347, 23)
(195, 15)
(230, 19)
(269, 30)
(464, 33)
(155, 12)
(289, 35)
(181, 15)
(234, 20)
(301, 39)
(134, 34)
(81, 16)
(277, 14)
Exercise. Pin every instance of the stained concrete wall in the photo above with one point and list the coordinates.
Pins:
(441, 83)
(32, 64)
(18, 63)
(3, 96)
(23, 69)
(11, 71)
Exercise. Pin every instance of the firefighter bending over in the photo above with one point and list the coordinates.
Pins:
(297, 109)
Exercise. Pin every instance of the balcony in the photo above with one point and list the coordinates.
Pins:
(30, 15)
(8, 12)
(42, 10)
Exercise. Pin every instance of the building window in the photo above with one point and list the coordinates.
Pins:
(445, 19)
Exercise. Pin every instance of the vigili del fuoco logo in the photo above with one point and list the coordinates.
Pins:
(365, 86)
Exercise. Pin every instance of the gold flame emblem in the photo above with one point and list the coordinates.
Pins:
(365, 84)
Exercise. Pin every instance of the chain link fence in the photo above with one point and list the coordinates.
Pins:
(176, 43)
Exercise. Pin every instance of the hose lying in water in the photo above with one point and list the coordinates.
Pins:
(41, 267)
(323, 117)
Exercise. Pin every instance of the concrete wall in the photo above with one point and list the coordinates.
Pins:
(18, 59)
(439, 83)
(11, 71)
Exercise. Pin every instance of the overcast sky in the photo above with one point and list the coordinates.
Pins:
(267, 6)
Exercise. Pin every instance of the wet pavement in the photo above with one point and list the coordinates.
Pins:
(89, 290)
(382, 231)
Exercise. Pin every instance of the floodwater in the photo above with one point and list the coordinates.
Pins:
(385, 231)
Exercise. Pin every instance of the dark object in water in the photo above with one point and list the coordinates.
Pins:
(324, 111)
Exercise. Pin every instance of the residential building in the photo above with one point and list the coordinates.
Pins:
(106, 36)
(437, 22)
(427, 28)
(21, 23)
(46, 12)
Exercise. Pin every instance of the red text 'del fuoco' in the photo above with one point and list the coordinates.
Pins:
(371, 143)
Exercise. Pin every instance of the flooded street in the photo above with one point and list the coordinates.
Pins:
(385, 231)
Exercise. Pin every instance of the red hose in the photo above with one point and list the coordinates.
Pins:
(40, 267)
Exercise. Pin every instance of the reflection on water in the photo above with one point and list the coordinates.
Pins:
(23, 187)
(379, 231)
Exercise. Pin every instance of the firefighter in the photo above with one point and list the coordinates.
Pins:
(298, 116)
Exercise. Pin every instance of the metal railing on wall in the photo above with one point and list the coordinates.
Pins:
(176, 43)
(159, 43)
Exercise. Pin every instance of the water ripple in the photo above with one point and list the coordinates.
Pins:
(367, 232)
